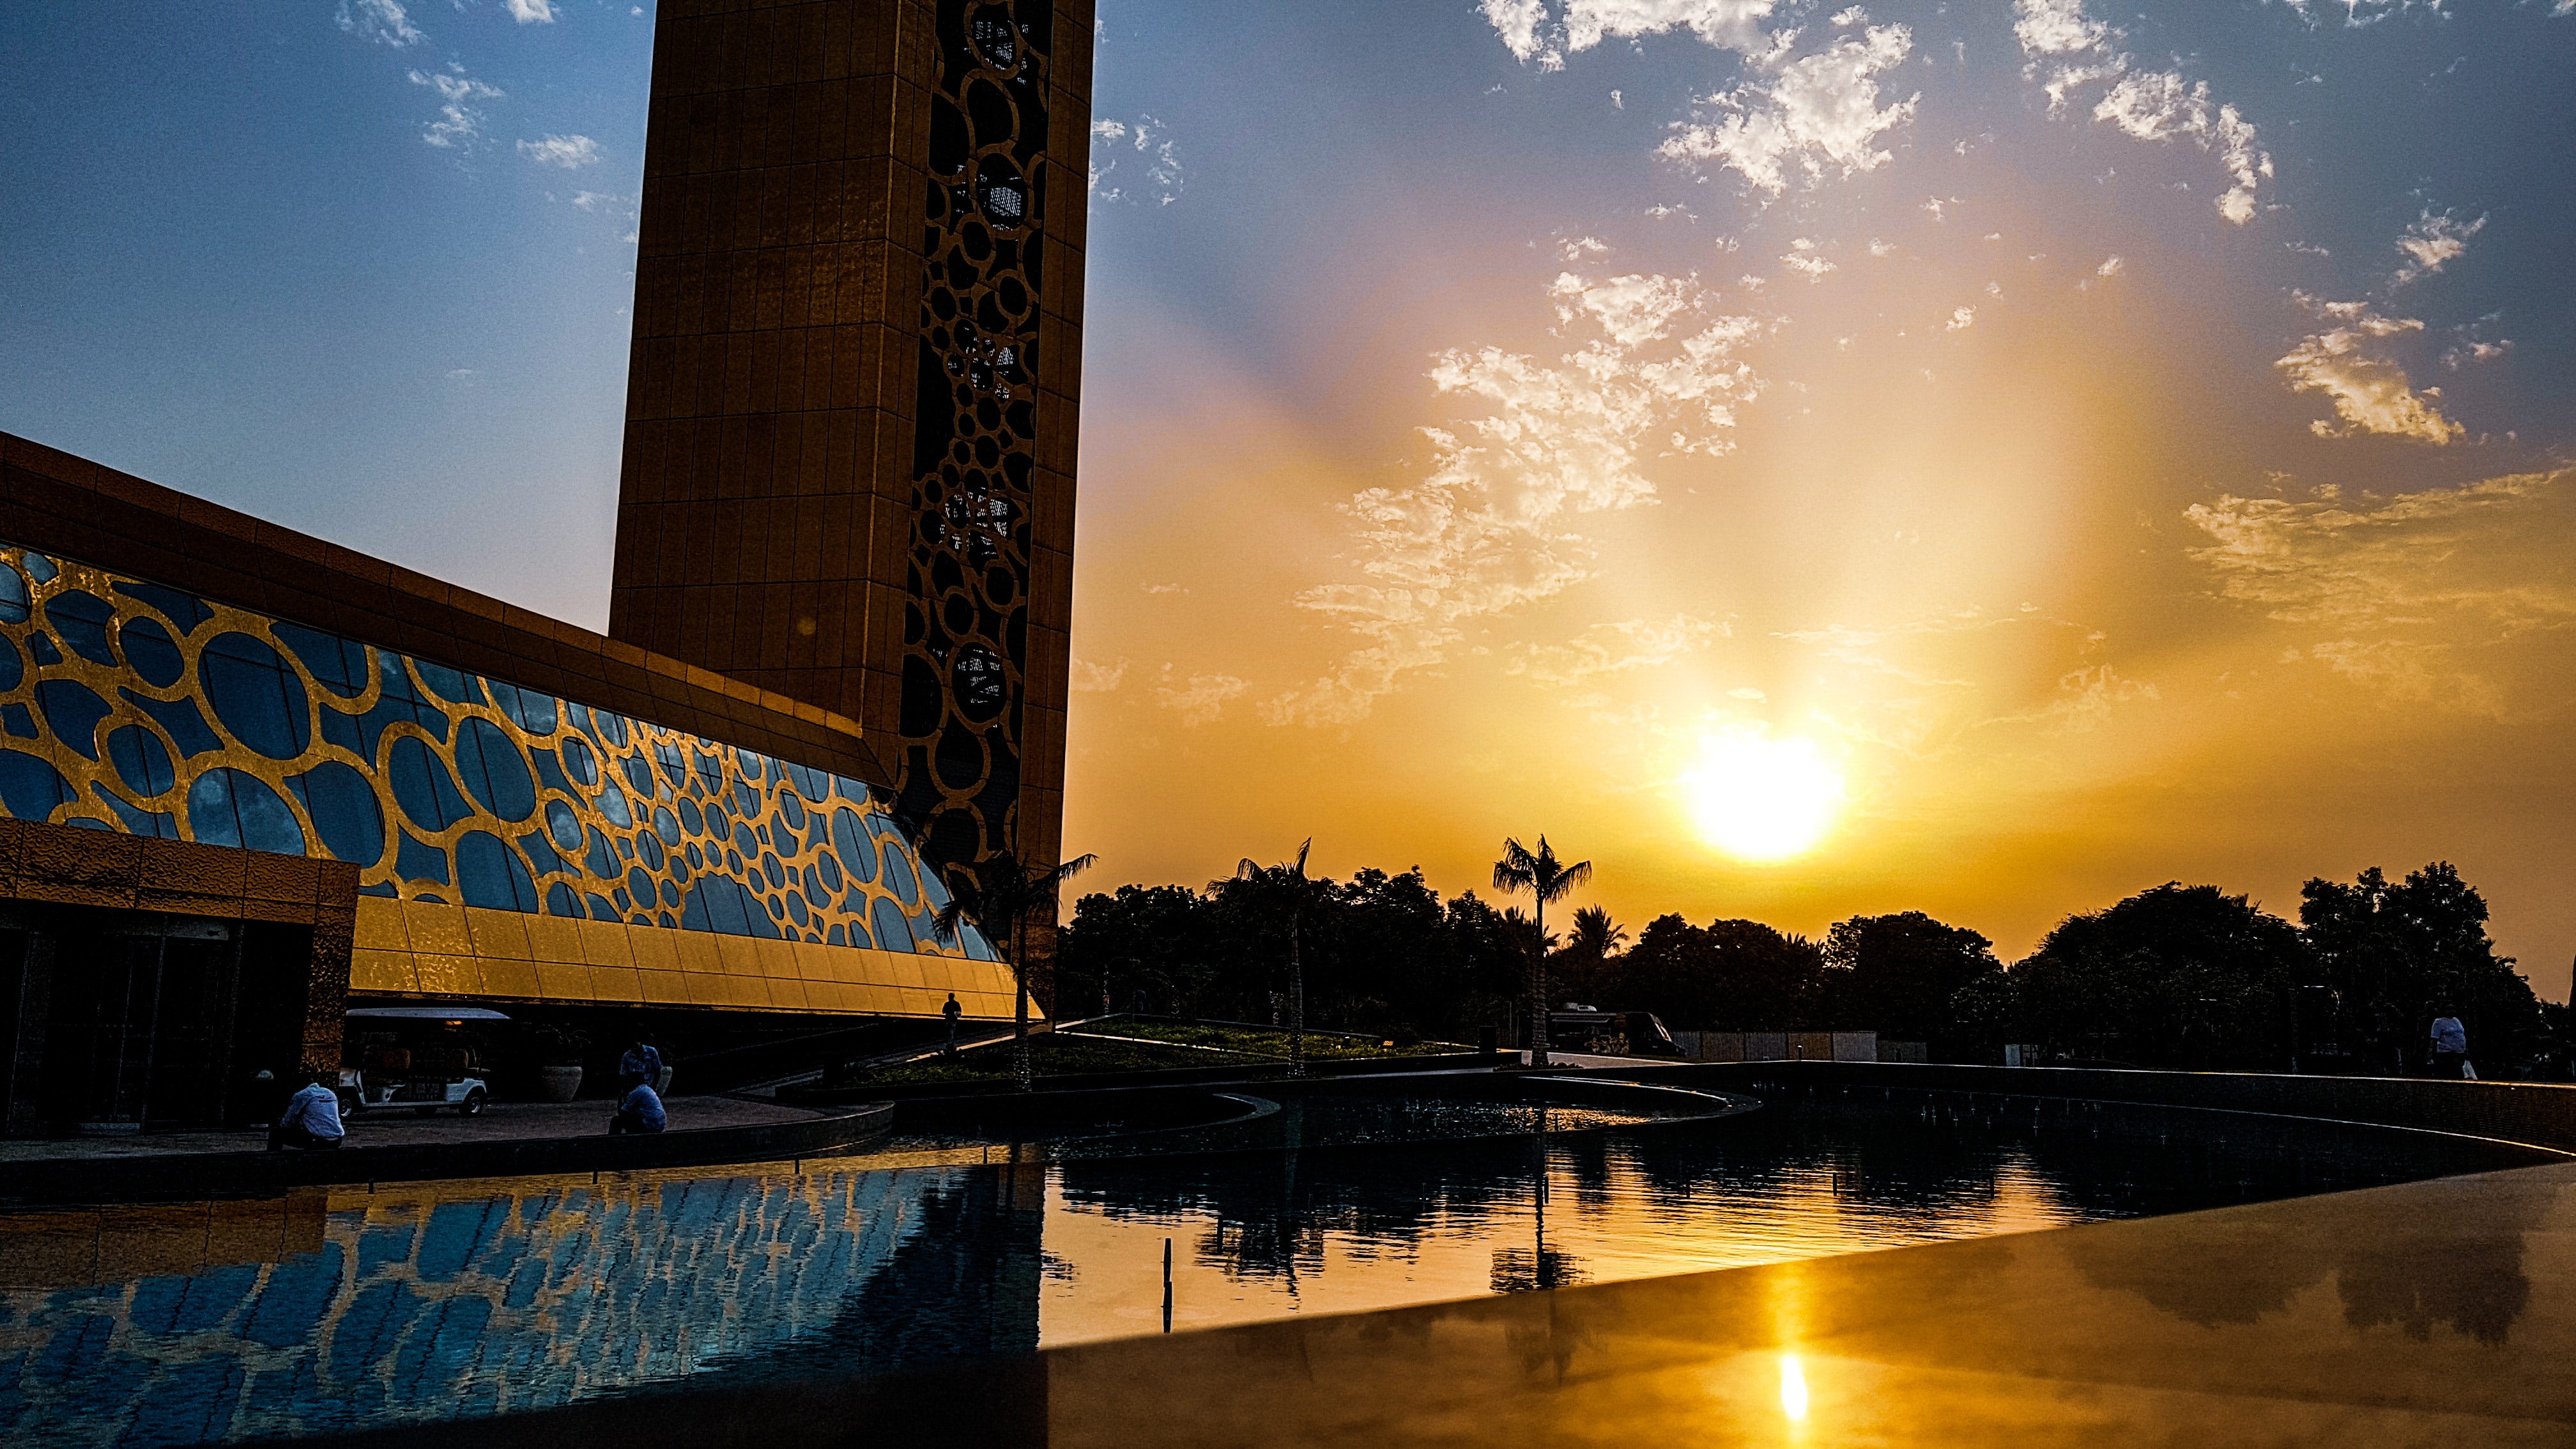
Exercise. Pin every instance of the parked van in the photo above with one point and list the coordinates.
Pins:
(1609, 1033)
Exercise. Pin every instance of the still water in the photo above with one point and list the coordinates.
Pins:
(330, 1311)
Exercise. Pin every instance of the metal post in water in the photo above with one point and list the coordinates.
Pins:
(1167, 1285)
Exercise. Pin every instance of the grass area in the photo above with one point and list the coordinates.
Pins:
(1052, 1054)
(1260, 1041)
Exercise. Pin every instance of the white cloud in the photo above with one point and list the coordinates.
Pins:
(2069, 50)
(532, 12)
(1156, 170)
(1093, 678)
(2433, 242)
(569, 152)
(1533, 32)
(2370, 391)
(593, 200)
(2109, 268)
(1492, 528)
(1816, 113)
(1961, 319)
(383, 21)
(1802, 257)
(460, 121)
(1619, 648)
(2474, 350)
(1202, 699)
(1165, 589)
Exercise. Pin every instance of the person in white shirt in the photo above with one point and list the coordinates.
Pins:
(311, 1119)
(2450, 1045)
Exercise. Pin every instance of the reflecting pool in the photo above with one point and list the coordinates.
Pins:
(330, 1311)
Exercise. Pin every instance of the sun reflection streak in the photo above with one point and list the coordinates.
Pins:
(1793, 1388)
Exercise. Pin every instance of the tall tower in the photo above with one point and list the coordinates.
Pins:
(850, 419)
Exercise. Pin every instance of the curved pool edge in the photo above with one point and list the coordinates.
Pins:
(189, 1177)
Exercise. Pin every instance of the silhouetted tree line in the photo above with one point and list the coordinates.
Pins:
(2177, 976)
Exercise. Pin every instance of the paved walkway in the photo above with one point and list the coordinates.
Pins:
(401, 1127)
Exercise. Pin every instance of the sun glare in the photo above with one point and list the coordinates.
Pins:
(1762, 799)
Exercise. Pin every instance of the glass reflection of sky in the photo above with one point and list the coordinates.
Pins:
(466, 1301)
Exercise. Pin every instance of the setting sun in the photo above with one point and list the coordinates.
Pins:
(1762, 799)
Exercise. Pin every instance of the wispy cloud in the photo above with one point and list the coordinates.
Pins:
(460, 119)
(2435, 241)
(532, 12)
(1535, 32)
(1154, 171)
(1620, 648)
(382, 21)
(1200, 700)
(569, 152)
(2070, 51)
(2371, 393)
(1492, 528)
(1090, 677)
(1814, 115)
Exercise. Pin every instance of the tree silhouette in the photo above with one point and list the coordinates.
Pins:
(1287, 890)
(1546, 879)
(1002, 906)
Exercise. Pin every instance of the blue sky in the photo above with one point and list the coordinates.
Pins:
(2109, 445)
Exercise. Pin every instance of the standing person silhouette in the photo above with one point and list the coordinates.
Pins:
(2450, 1045)
(952, 1011)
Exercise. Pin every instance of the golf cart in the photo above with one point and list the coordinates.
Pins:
(421, 1057)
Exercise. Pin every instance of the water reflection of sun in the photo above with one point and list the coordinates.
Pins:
(1761, 799)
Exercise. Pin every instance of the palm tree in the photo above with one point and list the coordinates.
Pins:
(1546, 879)
(1596, 936)
(1287, 887)
(1002, 904)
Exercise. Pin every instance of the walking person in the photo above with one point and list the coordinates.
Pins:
(2450, 1046)
(311, 1120)
(952, 1011)
(639, 1111)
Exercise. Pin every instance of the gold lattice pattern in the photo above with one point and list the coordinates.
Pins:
(974, 454)
(130, 706)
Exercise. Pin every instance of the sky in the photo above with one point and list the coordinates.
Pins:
(1808, 460)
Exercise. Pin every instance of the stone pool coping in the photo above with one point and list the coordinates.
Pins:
(191, 1176)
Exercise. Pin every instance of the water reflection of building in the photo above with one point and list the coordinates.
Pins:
(836, 661)
(219, 1321)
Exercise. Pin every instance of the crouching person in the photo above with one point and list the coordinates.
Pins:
(640, 1110)
(311, 1120)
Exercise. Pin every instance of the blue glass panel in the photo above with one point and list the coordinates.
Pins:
(256, 695)
(178, 718)
(612, 803)
(648, 849)
(696, 860)
(747, 798)
(666, 825)
(625, 850)
(176, 605)
(541, 854)
(530, 710)
(138, 821)
(229, 807)
(612, 728)
(640, 882)
(733, 861)
(16, 719)
(338, 665)
(670, 894)
(418, 859)
(807, 781)
(623, 901)
(449, 684)
(422, 787)
(563, 825)
(39, 567)
(796, 909)
(710, 771)
(791, 810)
(579, 714)
(720, 904)
(742, 840)
(834, 937)
(151, 652)
(770, 867)
(384, 889)
(72, 711)
(550, 775)
(899, 875)
(852, 843)
(344, 809)
(562, 900)
(640, 775)
(690, 820)
(494, 770)
(602, 910)
(580, 763)
(893, 932)
(140, 760)
(490, 875)
(813, 888)
(830, 867)
(12, 668)
(42, 647)
(753, 767)
(399, 700)
(345, 731)
(81, 618)
(601, 859)
(31, 788)
(14, 607)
